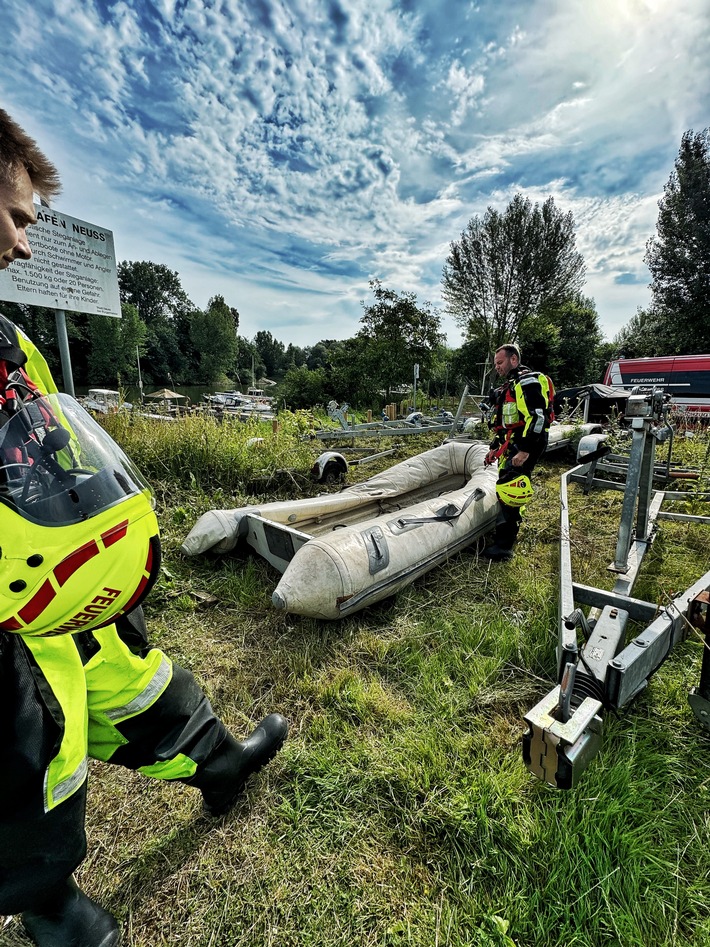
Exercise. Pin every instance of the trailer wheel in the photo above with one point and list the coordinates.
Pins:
(333, 472)
(330, 467)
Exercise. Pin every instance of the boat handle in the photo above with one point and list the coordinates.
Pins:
(378, 553)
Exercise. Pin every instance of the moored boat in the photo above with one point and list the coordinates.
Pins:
(237, 404)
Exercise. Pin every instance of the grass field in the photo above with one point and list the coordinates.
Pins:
(400, 811)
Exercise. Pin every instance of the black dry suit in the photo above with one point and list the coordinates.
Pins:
(521, 422)
(104, 694)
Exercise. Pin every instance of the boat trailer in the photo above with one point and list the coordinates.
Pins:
(564, 730)
(414, 423)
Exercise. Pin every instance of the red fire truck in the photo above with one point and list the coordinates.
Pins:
(685, 377)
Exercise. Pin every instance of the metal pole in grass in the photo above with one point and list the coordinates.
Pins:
(140, 377)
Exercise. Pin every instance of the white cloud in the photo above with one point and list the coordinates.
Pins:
(466, 87)
(286, 150)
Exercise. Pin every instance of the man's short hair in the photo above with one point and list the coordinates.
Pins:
(510, 349)
(18, 150)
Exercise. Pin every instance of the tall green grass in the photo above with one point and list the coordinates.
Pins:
(201, 453)
(400, 811)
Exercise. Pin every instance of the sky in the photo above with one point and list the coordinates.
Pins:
(282, 154)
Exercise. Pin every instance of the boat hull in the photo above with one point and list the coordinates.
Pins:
(341, 552)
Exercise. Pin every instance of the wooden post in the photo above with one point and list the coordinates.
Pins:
(275, 426)
(369, 415)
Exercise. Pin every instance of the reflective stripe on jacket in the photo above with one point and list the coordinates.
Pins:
(88, 700)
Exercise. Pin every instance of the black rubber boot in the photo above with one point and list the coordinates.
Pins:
(505, 536)
(222, 777)
(497, 553)
(66, 917)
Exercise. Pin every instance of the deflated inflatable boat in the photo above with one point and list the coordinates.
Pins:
(340, 552)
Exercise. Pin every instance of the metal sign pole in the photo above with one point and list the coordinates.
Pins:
(61, 322)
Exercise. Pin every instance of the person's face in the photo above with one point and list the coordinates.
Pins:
(17, 213)
(503, 363)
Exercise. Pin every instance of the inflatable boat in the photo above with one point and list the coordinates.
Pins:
(342, 551)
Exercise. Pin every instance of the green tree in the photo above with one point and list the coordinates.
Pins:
(271, 351)
(295, 356)
(563, 341)
(235, 317)
(471, 365)
(113, 347)
(679, 255)
(303, 388)
(644, 335)
(508, 266)
(601, 358)
(320, 354)
(213, 337)
(397, 334)
(441, 382)
(166, 310)
(348, 378)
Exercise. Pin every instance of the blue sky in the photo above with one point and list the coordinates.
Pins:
(283, 153)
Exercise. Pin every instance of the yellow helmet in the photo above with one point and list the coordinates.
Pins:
(515, 492)
(79, 539)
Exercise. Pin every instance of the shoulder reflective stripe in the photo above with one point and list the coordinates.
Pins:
(66, 787)
(156, 686)
(540, 380)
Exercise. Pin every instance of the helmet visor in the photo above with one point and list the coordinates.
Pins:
(58, 466)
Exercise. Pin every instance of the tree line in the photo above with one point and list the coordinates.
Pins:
(513, 275)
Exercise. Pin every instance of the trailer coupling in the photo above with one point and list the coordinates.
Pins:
(558, 752)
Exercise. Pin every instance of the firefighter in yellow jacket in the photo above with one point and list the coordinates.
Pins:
(522, 412)
(79, 551)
